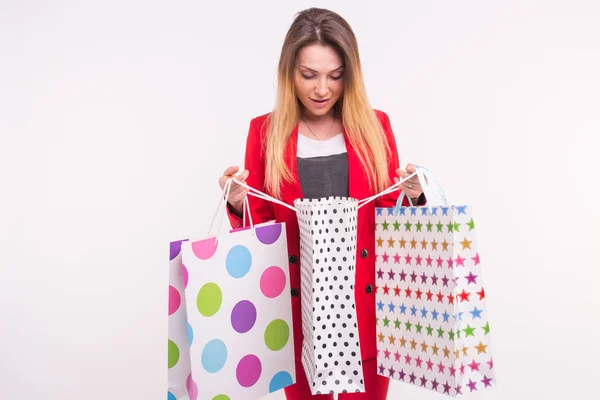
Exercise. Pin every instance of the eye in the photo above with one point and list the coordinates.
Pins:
(307, 77)
(337, 78)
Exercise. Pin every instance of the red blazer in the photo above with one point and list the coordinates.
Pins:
(263, 211)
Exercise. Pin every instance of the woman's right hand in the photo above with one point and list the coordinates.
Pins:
(237, 193)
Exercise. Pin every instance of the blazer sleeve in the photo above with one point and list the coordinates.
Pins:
(261, 210)
(390, 199)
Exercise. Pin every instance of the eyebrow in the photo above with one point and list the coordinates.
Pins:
(338, 68)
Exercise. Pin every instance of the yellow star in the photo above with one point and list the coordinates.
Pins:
(445, 245)
(392, 339)
(466, 244)
(379, 242)
(457, 353)
(481, 348)
(424, 244)
(446, 351)
(402, 242)
(381, 337)
(465, 349)
(413, 345)
(413, 244)
(391, 242)
(424, 347)
(402, 342)
(434, 245)
(435, 349)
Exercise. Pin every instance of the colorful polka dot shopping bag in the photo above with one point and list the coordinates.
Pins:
(330, 351)
(432, 323)
(236, 301)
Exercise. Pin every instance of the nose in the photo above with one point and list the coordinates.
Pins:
(321, 88)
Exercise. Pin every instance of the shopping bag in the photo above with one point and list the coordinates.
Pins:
(331, 347)
(238, 306)
(432, 323)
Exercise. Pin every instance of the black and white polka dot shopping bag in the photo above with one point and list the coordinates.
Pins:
(331, 350)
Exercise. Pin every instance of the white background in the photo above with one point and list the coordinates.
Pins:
(118, 117)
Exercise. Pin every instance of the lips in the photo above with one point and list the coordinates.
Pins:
(320, 101)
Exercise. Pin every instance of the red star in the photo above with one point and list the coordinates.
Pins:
(476, 259)
(418, 259)
(397, 259)
(396, 291)
(386, 289)
(464, 296)
(418, 293)
(387, 354)
(376, 288)
(408, 292)
(490, 363)
(429, 295)
(460, 261)
(450, 299)
(429, 260)
(440, 297)
(481, 294)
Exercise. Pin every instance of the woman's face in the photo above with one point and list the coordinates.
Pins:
(319, 75)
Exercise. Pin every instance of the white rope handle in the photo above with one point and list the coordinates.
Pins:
(261, 195)
(391, 189)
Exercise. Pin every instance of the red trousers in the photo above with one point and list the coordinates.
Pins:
(376, 386)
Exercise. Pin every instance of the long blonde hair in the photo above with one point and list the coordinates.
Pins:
(363, 128)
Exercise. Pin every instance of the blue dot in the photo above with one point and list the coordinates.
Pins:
(238, 261)
(190, 334)
(214, 355)
(171, 396)
(279, 381)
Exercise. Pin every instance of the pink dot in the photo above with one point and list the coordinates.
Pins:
(192, 388)
(205, 249)
(272, 282)
(185, 276)
(174, 300)
(248, 370)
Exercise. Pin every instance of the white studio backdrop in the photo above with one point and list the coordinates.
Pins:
(118, 117)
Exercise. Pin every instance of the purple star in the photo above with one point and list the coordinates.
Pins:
(401, 375)
(412, 377)
(402, 276)
(434, 384)
(391, 371)
(391, 275)
(471, 278)
(445, 280)
(423, 381)
(423, 278)
(381, 369)
(447, 388)
(379, 273)
(413, 277)
(434, 280)
(487, 381)
(472, 385)
(455, 281)
(458, 389)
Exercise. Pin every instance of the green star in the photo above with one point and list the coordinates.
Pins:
(419, 327)
(471, 224)
(397, 323)
(376, 321)
(451, 334)
(469, 331)
(408, 325)
(386, 322)
(456, 225)
(376, 226)
(458, 333)
(450, 226)
(429, 226)
(418, 225)
(486, 328)
(439, 226)
(385, 225)
(440, 332)
(407, 226)
(397, 226)
(429, 330)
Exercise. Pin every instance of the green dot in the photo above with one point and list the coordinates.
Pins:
(210, 298)
(277, 334)
(221, 397)
(173, 354)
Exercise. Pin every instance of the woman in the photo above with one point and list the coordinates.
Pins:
(323, 139)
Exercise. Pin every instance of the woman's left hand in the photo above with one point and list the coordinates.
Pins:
(411, 187)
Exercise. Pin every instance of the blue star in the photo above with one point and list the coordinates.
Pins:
(476, 312)
(402, 210)
(423, 211)
(390, 211)
(446, 316)
(379, 211)
(458, 316)
(423, 312)
(413, 211)
(434, 314)
(380, 306)
(444, 210)
(434, 211)
(413, 311)
(391, 306)
(402, 309)
(461, 210)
